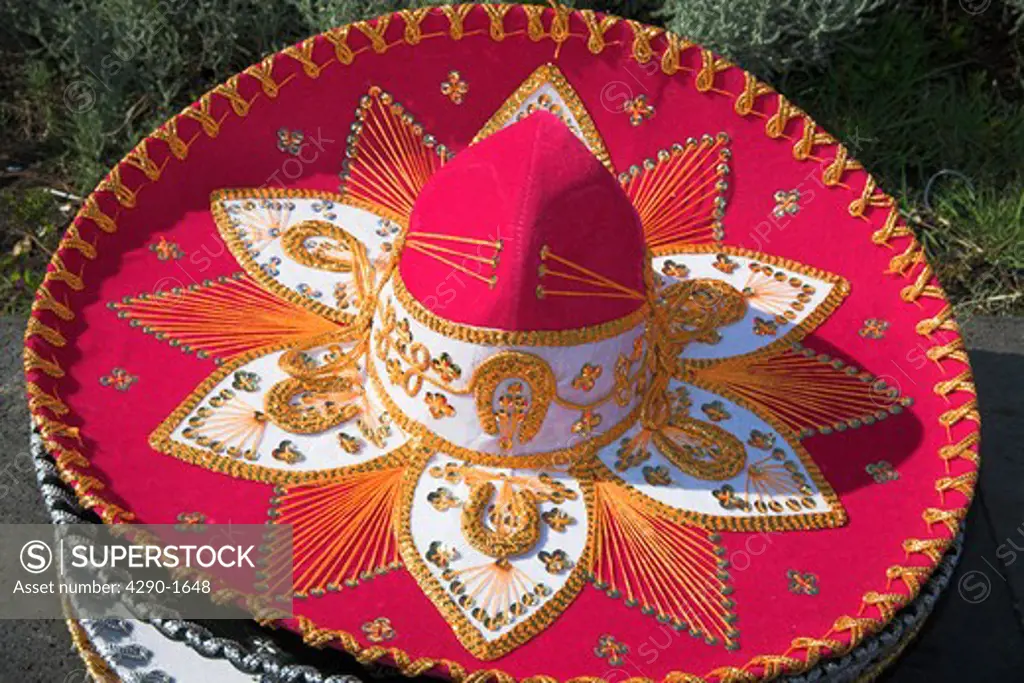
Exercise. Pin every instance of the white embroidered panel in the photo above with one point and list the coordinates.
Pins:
(769, 457)
(259, 223)
(216, 417)
(437, 533)
(776, 303)
(464, 428)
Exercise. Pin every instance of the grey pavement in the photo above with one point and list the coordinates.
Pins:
(966, 639)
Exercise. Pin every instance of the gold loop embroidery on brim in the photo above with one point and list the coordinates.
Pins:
(493, 337)
(680, 440)
(339, 257)
(516, 522)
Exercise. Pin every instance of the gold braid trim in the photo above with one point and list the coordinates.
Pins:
(52, 428)
(534, 26)
(338, 37)
(139, 158)
(954, 349)
(36, 328)
(752, 90)
(671, 59)
(642, 37)
(886, 603)
(168, 133)
(965, 448)
(669, 55)
(45, 301)
(456, 16)
(943, 320)
(91, 210)
(811, 138)
(912, 577)
(374, 31)
(775, 126)
(60, 272)
(38, 398)
(951, 518)
(870, 197)
(112, 183)
(963, 483)
(710, 66)
(262, 71)
(72, 240)
(33, 361)
(303, 54)
(961, 382)
(730, 674)
(841, 163)
(497, 13)
(932, 547)
(413, 18)
(597, 29)
(201, 112)
(890, 229)
(229, 91)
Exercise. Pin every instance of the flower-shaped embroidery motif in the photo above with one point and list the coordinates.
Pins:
(608, 647)
(873, 328)
(440, 554)
(451, 473)
(349, 443)
(446, 368)
(191, 520)
(287, 452)
(246, 381)
(166, 251)
(802, 583)
(786, 203)
(120, 379)
(556, 561)
(442, 499)
(882, 471)
(657, 476)
(290, 141)
(676, 270)
(378, 630)
(588, 421)
(587, 377)
(716, 411)
(438, 405)
(558, 519)
(454, 87)
(639, 110)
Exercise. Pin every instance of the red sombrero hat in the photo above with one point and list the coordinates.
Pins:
(602, 360)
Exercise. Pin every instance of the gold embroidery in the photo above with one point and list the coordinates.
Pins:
(671, 215)
(491, 337)
(700, 449)
(311, 406)
(389, 157)
(601, 286)
(514, 517)
(322, 245)
(526, 95)
(527, 388)
(812, 649)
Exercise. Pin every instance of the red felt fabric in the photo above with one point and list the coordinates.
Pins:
(849, 562)
(531, 185)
